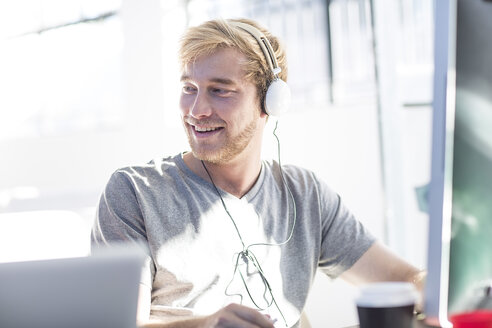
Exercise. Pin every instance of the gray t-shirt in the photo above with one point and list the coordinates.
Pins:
(193, 245)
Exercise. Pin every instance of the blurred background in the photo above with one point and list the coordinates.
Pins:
(89, 86)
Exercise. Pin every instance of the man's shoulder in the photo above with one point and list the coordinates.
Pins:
(300, 178)
(155, 165)
(144, 173)
(291, 170)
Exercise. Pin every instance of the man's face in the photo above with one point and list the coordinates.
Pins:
(219, 107)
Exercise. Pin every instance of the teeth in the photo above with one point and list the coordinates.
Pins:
(204, 129)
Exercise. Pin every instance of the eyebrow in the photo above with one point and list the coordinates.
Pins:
(220, 80)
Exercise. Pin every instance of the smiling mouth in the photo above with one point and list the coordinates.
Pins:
(206, 129)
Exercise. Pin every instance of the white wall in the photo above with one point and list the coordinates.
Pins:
(67, 172)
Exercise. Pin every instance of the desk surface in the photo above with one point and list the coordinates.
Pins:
(416, 324)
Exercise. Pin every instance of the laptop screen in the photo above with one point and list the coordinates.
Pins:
(94, 291)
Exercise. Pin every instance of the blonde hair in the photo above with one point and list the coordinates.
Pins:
(207, 38)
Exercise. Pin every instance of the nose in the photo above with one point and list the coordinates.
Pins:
(200, 106)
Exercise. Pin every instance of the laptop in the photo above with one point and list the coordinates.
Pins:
(98, 291)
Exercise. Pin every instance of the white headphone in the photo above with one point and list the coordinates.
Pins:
(277, 98)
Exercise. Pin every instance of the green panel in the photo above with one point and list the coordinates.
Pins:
(471, 243)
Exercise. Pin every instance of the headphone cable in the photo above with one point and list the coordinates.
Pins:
(245, 253)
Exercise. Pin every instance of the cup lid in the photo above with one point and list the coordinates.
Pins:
(387, 294)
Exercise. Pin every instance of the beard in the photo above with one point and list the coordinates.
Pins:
(233, 145)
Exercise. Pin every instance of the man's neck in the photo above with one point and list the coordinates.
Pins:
(236, 177)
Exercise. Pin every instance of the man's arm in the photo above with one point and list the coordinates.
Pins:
(231, 316)
(379, 263)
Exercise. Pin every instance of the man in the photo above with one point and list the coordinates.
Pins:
(233, 241)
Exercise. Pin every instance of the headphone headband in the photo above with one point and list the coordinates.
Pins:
(264, 44)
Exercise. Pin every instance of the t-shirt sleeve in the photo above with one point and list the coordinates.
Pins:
(119, 220)
(344, 238)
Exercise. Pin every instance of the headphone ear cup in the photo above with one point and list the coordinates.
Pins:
(277, 98)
